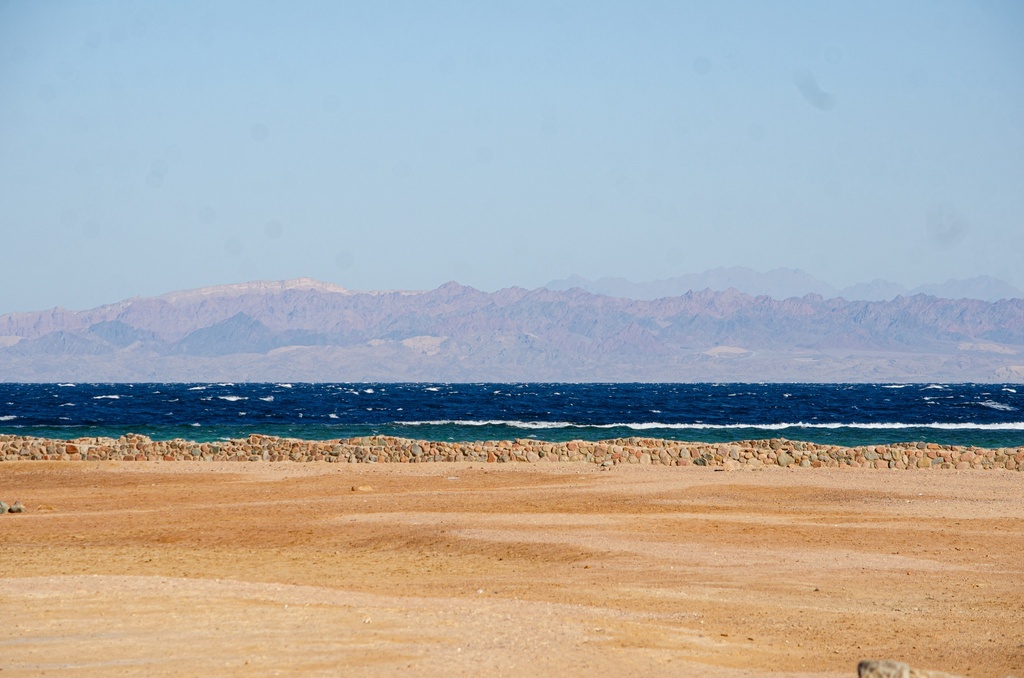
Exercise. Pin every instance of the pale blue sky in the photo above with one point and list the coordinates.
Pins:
(147, 147)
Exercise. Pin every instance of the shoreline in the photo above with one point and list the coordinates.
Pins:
(749, 454)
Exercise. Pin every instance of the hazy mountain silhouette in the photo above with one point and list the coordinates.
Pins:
(305, 330)
(783, 283)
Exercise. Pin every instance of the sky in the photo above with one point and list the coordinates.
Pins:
(147, 147)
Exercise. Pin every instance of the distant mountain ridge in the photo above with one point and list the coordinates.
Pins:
(785, 283)
(309, 331)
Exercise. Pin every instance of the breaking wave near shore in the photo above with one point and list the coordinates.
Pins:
(843, 414)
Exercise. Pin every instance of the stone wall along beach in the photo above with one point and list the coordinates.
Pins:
(748, 454)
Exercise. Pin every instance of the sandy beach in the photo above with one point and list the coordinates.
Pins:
(157, 568)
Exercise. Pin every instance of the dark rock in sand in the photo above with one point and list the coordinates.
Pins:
(888, 668)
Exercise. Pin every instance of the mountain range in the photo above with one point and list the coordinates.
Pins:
(306, 330)
(783, 283)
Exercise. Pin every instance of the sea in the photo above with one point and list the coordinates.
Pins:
(984, 415)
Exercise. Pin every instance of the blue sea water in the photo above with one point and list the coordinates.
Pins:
(988, 415)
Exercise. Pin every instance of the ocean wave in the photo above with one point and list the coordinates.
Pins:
(107, 397)
(645, 426)
(232, 399)
(1002, 407)
(268, 399)
(8, 417)
(496, 422)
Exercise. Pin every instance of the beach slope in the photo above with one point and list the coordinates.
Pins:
(155, 568)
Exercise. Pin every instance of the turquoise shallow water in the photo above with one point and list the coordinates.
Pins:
(844, 414)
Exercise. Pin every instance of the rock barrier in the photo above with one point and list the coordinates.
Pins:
(641, 451)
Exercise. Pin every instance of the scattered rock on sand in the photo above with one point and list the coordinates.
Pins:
(882, 668)
(16, 507)
(888, 668)
(362, 488)
(3, 507)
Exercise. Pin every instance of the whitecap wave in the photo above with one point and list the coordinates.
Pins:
(198, 388)
(8, 417)
(232, 399)
(268, 399)
(1002, 407)
(653, 425)
(494, 422)
(107, 397)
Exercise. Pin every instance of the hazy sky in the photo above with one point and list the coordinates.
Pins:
(147, 147)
